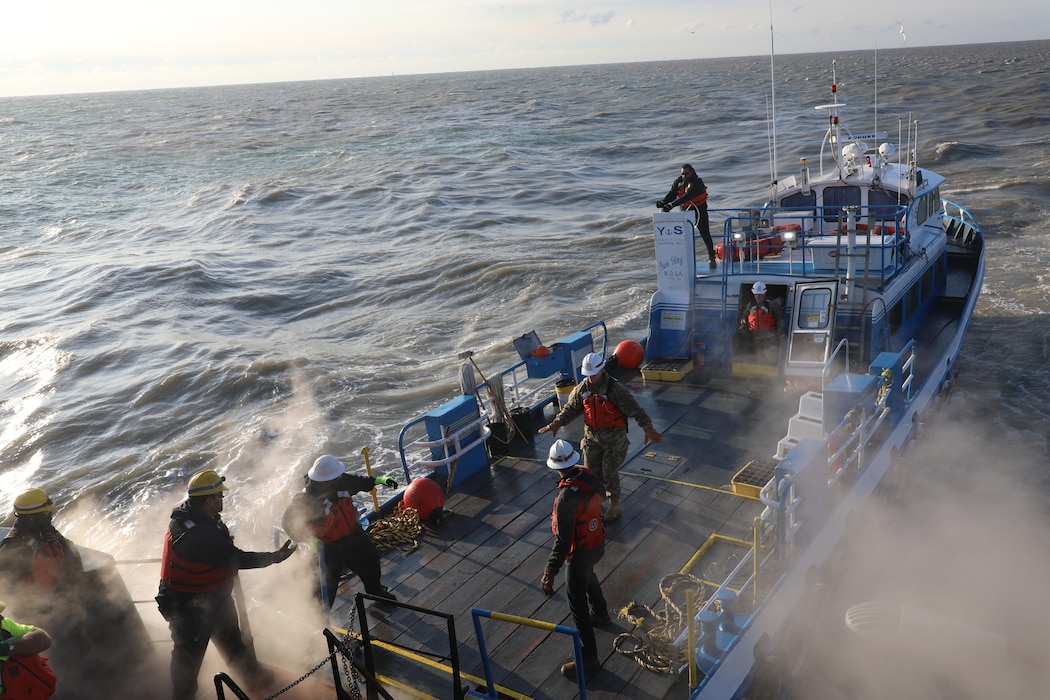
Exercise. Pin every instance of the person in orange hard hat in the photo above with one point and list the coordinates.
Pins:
(195, 596)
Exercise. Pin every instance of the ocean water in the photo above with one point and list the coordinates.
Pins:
(246, 277)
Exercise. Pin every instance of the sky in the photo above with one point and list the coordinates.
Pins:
(72, 46)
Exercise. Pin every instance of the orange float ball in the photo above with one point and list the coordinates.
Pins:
(630, 354)
(426, 496)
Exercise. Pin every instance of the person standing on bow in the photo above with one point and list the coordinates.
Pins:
(689, 192)
(579, 541)
(197, 572)
(606, 405)
(325, 513)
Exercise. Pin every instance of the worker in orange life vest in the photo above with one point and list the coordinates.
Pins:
(761, 324)
(36, 560)
(197, 572)
(689, 192)
(325, 513)
(579, 541)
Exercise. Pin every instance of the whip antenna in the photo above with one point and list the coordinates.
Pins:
(773, 97)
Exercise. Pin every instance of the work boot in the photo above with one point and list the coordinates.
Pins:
(591, 666)
(711, 263)
(613, 513)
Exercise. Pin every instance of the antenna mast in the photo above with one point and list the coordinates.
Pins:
(773, 97)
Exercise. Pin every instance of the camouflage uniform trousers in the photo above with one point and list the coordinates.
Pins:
(604, 450)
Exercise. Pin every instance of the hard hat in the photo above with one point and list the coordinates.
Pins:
(326, 468)
(758, 288)
(592, 364)
(562, 455)
(206, 483)
(33, 501)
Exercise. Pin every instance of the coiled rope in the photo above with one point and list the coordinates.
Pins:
(398, 530)
(651, 643)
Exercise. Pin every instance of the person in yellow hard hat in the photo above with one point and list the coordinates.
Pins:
(36, 560)
(195, 596)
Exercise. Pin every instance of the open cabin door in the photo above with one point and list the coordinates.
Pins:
(812, 327)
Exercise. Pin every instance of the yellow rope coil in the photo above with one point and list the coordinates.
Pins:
(398, 530)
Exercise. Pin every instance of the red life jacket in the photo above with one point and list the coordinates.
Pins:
(761, 318)
(698, 201)
(600, 412)
(181, 574)
(49, 565)
(27, 677)
(588, 527)
(339, 521)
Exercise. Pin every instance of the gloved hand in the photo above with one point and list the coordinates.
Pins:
(652, 435)
(284, 552)
(312, 545)
(660, 204)
(547, 582)
(667, 208)
(5, 647)
(553, 427)
(386, 481)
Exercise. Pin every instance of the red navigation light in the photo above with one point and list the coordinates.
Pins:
(835, 119)
(834, 87)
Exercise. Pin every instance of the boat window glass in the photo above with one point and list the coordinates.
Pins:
(913, 300)
(895, 317)
(800, 201)
(927, 283)
(883, 204)
(939, 272)
(813, 308)
(835, 198)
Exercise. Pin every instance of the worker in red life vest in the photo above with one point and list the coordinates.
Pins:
(197, 572)
(37, 562)
(324, 513)
(23, 672)
(761, 326)
(606, 405)
(579, 542)
(689, 192)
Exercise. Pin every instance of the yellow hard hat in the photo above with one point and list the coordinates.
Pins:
(206, 483)
(33, 501)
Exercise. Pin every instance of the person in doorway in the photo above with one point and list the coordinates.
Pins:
(23, 672)
(761, 326)
(324, 513)
(197, 577)
(579, 542)
(606, 405)
(689, 192)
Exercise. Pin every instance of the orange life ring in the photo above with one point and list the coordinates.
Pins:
(788, 227)
(859, 227)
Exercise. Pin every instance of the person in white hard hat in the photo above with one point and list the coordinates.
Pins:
(325, 513)
(606, 405)
(197, 572)
(579, 542)
(761, 326)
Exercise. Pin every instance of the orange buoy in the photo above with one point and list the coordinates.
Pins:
(630, 354)
(426, 496)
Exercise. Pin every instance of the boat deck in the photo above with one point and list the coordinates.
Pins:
(491, 550)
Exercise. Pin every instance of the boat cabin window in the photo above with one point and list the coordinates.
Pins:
(813, 308)
(896, 319)
(800, 201)
(928, 205)
(883, 205)
(927, 283)
(835, 198)
(913, 299)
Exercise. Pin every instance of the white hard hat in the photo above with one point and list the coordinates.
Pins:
(562, 455)
(592, 364)
(326, 468)
(758, 288)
